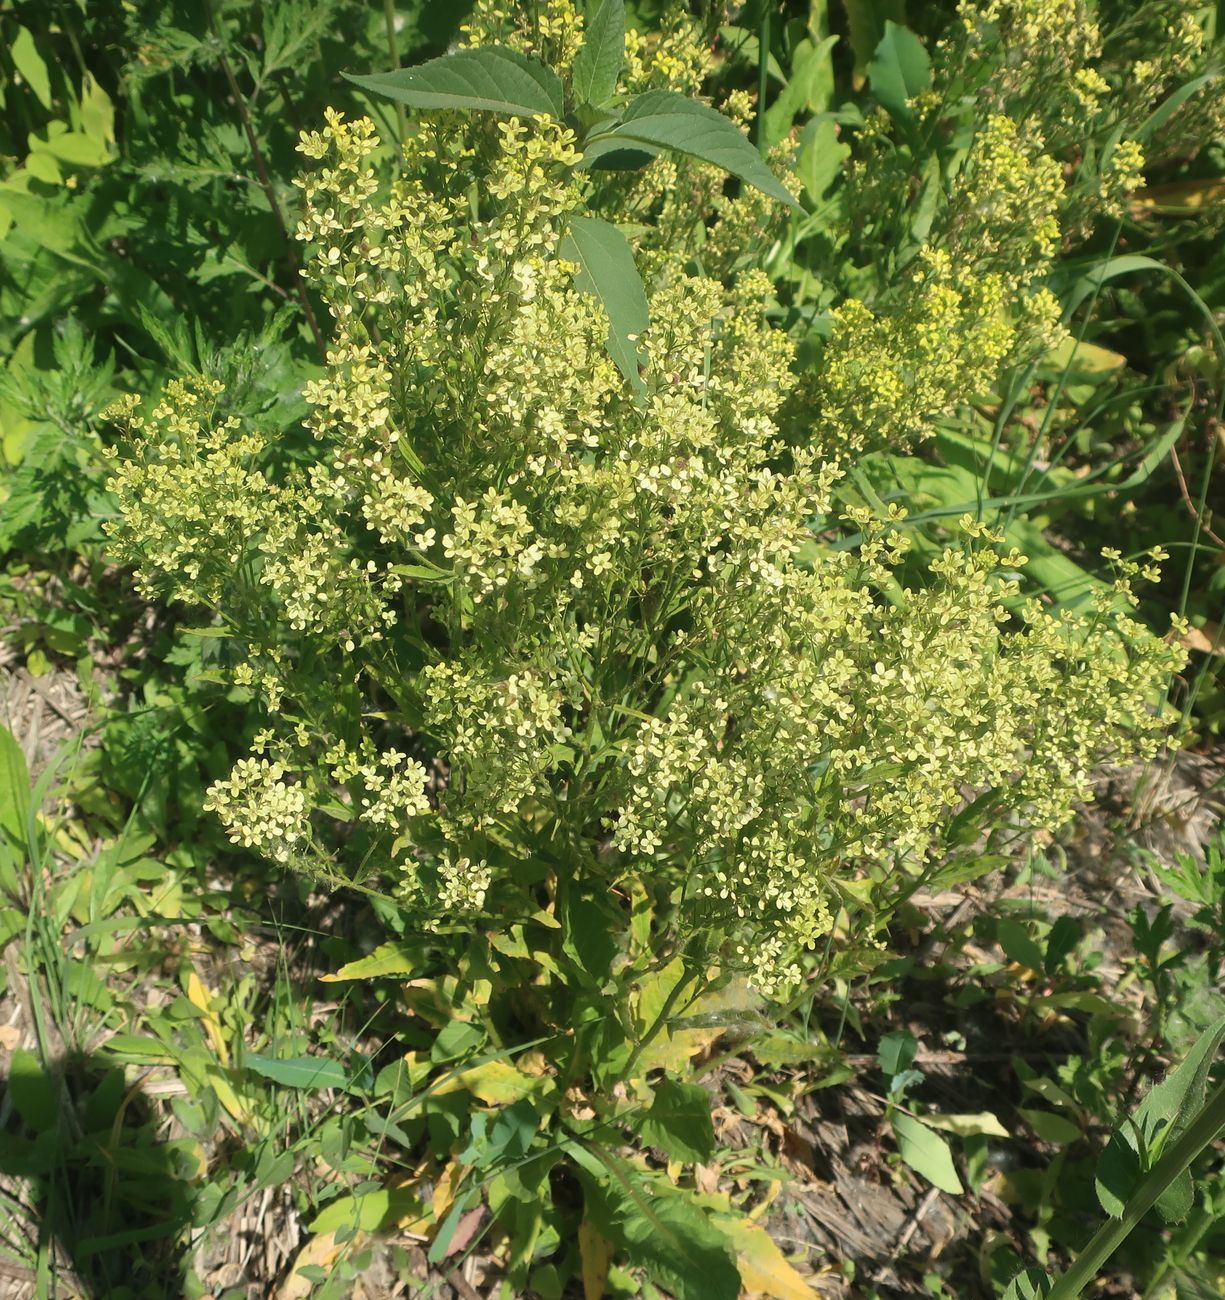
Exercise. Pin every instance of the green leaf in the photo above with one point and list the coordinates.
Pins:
(896, 1051)
(370, 1211)
(1055, 1129)
(1033, 1284)
(76, 149)
(926, 1152)
(663, 1231)
(808, 91)
(1167, 1109)
(387, 959)
(1164, 111)
(491, 79)
(507, 1138)
(981, 1124)
(31, 1091)
(1019, 944)
(598, 64)
(665, 120)
(611, 154)
(900, 69)
(606, 269)
(14, 787)
(29, 63)
(679, 1122)
(299, 1071)
(820, 158)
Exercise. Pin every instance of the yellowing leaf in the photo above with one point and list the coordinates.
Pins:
(198, 996)
(1085, 363)
(1180, 197)
(319, 1252)
(496, 1083)
(595, 1251)
(226, 1095)
(984, 1124)
(764, 1270)
(445, 1189)
(388, 959)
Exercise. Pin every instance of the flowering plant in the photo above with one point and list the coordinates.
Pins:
(524, 634)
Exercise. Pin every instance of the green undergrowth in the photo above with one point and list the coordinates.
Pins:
(605, 552)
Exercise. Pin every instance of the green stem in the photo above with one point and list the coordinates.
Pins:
(389, 16)
(1205, 1129)
(763, 74)
(674, 995)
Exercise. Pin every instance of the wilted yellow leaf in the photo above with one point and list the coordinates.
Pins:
(319, 1252)
(198, 996)
(1179, 197)
(445, 1189)
(984, 1124)
(595, 1251)
(764, 1269)
(496, 1083)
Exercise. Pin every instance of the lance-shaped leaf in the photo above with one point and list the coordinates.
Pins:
(900, 69)
(491, 79)
(606, 269)
(666, 120)
(598, 64)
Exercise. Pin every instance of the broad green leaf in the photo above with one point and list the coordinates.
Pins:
(1019, 944)
(598, 64)
(97, 112)
(31, 1091)
(1050, 1127)
(666, 120)
(864, 30)
(491, 79)
(458, 1038)
(29, 63)
(371, 1211)
(299, 1071)
(896, 1051)
(606, 270)
(662, 1230)
(926, 1152)
(899, 70)
(14, 787)
(507, 1137)
(820, 158)
(387, 959)
(612, 154)
(76, 149)
(1136, 1144)
(679, 1122)
(675, 1046)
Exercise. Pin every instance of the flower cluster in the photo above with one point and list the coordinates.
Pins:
(259, 809)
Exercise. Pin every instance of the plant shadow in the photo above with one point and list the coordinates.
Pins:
(93, 1204)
